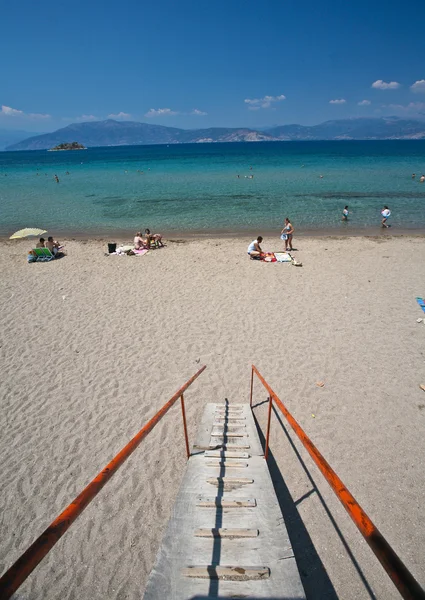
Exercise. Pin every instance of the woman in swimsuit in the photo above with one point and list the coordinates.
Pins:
(286, 234)
(139, 242)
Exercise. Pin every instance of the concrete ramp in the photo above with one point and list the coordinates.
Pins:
(226, 537)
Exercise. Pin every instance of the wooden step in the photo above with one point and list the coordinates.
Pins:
(224, 419)
(231, 434)
(226, 454)
(226, 446)
(227, 533)
(229, 480)
(228, 573)
(223, 502)
(227, 464)
(229, 426)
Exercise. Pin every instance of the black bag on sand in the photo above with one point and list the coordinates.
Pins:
(112, 248)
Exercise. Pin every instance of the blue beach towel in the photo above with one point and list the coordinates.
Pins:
(421, 303)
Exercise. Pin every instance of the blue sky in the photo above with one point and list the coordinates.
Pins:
(195, 64)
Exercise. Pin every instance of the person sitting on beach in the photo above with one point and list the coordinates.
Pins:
(254, 249)
(52, 245)
(40, 243)
(386, 213)
(345, 213)
(153, 237)
(286, 234)
(139, 242)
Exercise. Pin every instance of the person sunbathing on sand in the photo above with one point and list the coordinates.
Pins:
(139, 242)
(40, 243)
(254, 249)
(53, 245)
(155, 237)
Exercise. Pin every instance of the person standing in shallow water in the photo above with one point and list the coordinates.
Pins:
(386, 213)
(345, 213)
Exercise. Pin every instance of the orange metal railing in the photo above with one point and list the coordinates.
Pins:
(28, 561)
(406, 584)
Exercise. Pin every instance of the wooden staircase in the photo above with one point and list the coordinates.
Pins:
(226, 537)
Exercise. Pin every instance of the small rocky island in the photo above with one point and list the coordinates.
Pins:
(68, 146)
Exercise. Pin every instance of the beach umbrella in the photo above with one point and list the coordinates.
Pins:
(23, 233)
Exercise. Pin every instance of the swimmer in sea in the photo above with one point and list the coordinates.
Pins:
(413, 175)
(57, 179)
(422, 179)
(345, 213)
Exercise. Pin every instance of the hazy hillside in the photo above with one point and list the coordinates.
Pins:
(12, 136)
(356, 129)
(131, 133)
(126, 133)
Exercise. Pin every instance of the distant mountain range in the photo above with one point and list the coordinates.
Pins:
(131, 133)
(10, 137)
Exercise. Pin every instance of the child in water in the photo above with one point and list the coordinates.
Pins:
(386, 213)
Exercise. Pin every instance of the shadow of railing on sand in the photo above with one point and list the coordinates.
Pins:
(306, 561)
(314, 577)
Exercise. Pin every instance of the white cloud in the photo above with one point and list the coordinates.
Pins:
(160, 112)
(8, 111)
(418, 86)
(364, 103)
(265, 102)
(338, 101)
(84, 118)
(412, 107)
(197, 112)
(382, 85)
(120, 115)
(11, 112)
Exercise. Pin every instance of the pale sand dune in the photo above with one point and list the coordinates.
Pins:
(91, 346)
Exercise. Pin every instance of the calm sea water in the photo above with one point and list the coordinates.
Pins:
(195, 188)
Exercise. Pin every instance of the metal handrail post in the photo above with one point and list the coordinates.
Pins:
(266, 452)
(27, 562)
(404, 581)
(186, 438)
(252, 385)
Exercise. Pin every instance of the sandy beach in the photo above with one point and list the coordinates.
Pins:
(91, 346)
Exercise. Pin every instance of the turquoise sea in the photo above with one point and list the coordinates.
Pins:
(194, 188)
